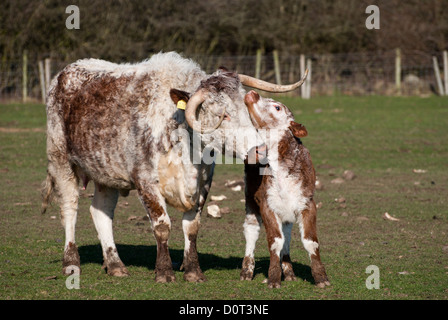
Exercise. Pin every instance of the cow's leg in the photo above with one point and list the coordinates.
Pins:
(288, 271)
(307, 224)
(102, 211)
(190, 226)
(251, 233)
(154, 204)
(190, 265)
(66, 185)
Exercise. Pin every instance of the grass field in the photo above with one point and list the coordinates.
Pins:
(396, 146)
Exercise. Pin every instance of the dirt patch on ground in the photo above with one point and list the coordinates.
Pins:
(19, 130)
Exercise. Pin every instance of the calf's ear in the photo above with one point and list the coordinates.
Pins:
(177, 95)
(298, 130)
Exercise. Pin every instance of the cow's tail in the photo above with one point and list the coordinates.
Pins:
(47, 192)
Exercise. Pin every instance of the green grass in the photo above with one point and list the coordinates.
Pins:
(381, 139)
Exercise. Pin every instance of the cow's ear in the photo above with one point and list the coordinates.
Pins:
(298, 130)
(177, 95)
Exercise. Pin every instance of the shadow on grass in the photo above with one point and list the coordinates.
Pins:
(145, 256)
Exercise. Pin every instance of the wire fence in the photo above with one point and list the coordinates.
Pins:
(347, 74)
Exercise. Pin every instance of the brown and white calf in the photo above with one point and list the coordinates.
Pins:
(280, 193)
(118, 126)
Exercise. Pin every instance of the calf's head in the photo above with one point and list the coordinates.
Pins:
(270, 114)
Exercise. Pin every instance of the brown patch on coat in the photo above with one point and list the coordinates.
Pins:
(296, 157)
(149, 200)
(227, 82)
(93, 112)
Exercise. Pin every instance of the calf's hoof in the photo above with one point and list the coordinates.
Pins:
(246, 275)
(247, 272)
(290, 277)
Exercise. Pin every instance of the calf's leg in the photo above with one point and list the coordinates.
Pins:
(251, 233)
(276, 241)
(190, 226)
(307, 224)
(288, 271)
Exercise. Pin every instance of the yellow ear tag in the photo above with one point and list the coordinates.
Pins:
(181, 104)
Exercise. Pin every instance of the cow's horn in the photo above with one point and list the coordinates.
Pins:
(190, 113)
(270, 87)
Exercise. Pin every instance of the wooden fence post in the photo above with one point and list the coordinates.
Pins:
(437, 74)
(398, 70)
(258, 65)
(302, 72)
(292, 67)
(445, 70)
(277, 67)
(25, 76)
(308, 80)
(47, 74)
(42, 81)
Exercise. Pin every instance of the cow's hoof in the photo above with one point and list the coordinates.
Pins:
(165, 277)
(194, 277)
(323, 284)
(274, 285)
(116, 268)
(118, 272)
